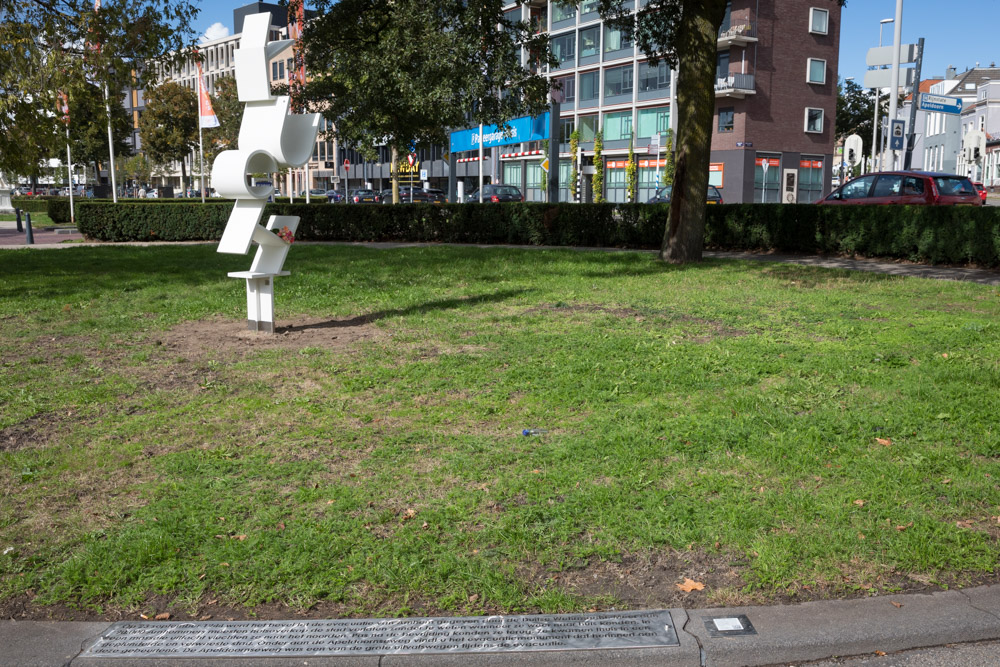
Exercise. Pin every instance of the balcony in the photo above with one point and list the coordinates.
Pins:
(736, 85)
(737, 35)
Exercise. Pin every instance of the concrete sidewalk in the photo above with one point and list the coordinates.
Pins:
(785, 635)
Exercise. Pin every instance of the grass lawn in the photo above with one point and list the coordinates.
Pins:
(773, 431)
(36, 219)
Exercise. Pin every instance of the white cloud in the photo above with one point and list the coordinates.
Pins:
(215, 31)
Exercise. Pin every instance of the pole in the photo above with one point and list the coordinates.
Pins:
(911, 138)
(552, 183)
(111, 148)
(480, 163)
(69, 168)
(897, 30)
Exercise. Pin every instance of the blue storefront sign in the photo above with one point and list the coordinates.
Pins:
(526, 128)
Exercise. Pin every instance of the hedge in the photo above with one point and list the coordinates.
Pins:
(938, 234)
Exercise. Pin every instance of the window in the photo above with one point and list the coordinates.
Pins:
(810, 179)
(618, 126)
(512, 173)
(615, 41)
(816, 71)
(618, 81)
(590, 41)
(767, 178)
(819, 21)
(727, 119)
(568, 86)
(814, 120)
(858, 188)
(533, 182)
(561, 12)
(589, 86)
(722, 66)
(588, 6)
(654, 78)
(588, 128)
(566, 126)
(564, 48)
(653, 121)
(277, 70)
(615, 185)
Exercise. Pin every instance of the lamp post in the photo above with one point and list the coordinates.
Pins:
(881, 24)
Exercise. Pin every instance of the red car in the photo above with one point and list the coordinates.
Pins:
(911, 188)
(981, 189)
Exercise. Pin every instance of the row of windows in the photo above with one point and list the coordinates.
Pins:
(813, 120)
(585, 87)
(564, 46)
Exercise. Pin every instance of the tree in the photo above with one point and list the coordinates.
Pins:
(88, 125)
(137, 168)
(169, 128)
(684, 31)
(574, 149)
(631, 173)
(50, 46)
(403, 72)
(229, 110)
(856, 113)
(598, 181)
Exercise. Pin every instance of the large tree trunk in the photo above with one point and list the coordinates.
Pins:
(684, 237)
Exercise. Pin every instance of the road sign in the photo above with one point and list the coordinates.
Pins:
(654, 145)
(882, 55)
(335, 180)
(940, 103)
(411, 158)
(882, 78)
(545, 165)
(347, 165)
(896, 136)
(423, 174)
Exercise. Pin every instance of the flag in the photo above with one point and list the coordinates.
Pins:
(296, 75)
(95, 47)
(206, 115)
(64, 107)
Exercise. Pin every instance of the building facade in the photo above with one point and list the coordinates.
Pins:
(775, 89)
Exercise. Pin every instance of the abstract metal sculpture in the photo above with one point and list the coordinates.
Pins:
(270, 139)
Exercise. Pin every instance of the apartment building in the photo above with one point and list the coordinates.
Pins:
(775, 90)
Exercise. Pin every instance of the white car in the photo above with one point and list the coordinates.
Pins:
(152, 194)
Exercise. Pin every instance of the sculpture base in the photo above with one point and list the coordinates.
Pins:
(6, 206)
(260, 298)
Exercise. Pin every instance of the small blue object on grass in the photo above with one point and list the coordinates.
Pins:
(534, 431)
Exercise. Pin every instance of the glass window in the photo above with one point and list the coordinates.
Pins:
(727, 119)
(512, 173)
(588, 128)
(888, 185)
(722, 65)
(618, 126)
(767, 181)
(615, 41)
(649, 180)
(653, 121)
(588, 6)
(858, 188)
(566, 126)
(618, 81)
(590, 41)
(533, 172)
(616, 189)
(568, 86)
(819, 20)
(561, 12)
(817, 71)
(814, 120)
(564, 48)
(654, 78)
(810, 179)
(590, 86)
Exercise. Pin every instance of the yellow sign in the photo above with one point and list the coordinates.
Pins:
(545, 165)
(404, 167)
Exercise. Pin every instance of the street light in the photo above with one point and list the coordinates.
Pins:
(881, 24)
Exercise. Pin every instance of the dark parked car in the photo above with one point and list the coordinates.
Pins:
(496, 194)
(981, 189)
(662, 195)
(911, 188)
(364, 197)
(314, 192)
(414, 195)
(334, 197)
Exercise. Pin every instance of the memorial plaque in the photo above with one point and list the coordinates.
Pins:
(729, 626)
(481, 634)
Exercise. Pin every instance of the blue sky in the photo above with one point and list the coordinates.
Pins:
(959, 33)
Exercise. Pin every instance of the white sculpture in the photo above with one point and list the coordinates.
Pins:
(270, 139)
(5, 204)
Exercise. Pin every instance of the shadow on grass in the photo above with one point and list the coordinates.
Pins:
(440, 304)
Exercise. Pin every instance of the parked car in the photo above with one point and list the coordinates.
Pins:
(981, 189)
(334, 197)
(364, 197)
(911, 188)
(314, 192)
(662, 195)
(496, 194)
(152, 194)
(415, 195)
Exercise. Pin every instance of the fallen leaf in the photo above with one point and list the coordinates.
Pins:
(211, 602)
(330, 502)
(220, 537)
(202, 576)
(884, 441)
(239, 537)
(691, 585)
(879, 653)
(968, 523)
(425, 526)
(205, 617)
(281, 525)
(861, 536)
(144, 617)
(66, 309)
(946, 481)
(897, 605)
(163, 617)
(860, 503)
(409, 514)
(224, 564)
(536, 471)
(474, 597)
(944, 354)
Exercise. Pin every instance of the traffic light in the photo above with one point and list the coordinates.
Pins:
(850, 155)
(975, 154)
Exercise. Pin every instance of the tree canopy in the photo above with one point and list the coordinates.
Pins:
(52, 45)
(404, 72)
(169, 128)
(856, 112)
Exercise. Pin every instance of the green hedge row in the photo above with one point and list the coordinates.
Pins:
(938, 234)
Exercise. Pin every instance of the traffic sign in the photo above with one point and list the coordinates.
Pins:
(940, 103)
(545, 165)
(347, 164)
(896, 136)
(882, 78)
(882, 55)
(411, 158)
(853, 146)
(423, 174)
